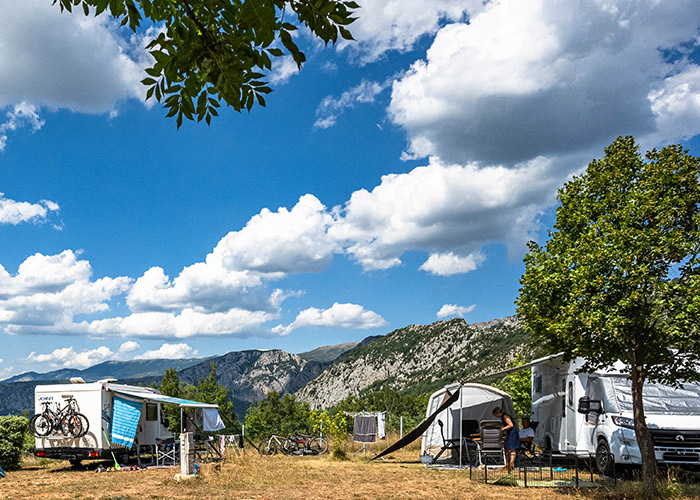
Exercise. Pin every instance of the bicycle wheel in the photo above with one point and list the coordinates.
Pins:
(71, 425)
(268, 447)
(319, 446)
(289, 446)
(40, 425)
(84, 422)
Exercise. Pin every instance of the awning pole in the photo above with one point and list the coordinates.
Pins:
(461, 408)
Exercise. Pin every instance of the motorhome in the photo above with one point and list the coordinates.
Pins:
(592, 413)
(120, 419)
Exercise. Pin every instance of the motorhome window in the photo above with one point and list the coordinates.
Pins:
(538, 384)
(571, 394)
(563, 398)
(659, 398)
(151, 412)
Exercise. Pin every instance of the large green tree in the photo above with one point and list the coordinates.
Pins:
(619, 277)
(214, 51)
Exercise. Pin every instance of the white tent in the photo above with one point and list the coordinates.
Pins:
(474, 404)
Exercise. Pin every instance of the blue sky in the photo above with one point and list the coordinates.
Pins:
(392, 181)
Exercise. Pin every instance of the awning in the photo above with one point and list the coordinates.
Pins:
(147, 395)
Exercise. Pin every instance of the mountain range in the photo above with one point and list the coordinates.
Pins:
(415, 359)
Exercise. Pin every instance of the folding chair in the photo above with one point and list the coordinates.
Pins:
(167, 452)
(491, 444)
(452, 445)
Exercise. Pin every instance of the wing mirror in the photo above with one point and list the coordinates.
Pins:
(587, 405)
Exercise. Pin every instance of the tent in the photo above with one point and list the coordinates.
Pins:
(474, 403)
(468, 403)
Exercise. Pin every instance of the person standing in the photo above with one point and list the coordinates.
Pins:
(510, 428)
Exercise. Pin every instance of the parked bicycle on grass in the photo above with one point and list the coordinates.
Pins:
(304, 444)
(275, 443)
(299, 444)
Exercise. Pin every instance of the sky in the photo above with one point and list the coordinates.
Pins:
(394, 180)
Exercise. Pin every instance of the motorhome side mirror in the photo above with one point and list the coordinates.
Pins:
(595, 406)
(584, 405)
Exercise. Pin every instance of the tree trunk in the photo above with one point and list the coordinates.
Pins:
(644, 439)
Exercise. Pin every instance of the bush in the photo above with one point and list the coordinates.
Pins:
(12, 432)
(281, 415)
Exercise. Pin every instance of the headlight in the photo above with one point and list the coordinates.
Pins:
(623, 422)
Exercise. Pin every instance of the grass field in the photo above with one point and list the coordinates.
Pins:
(280, 478)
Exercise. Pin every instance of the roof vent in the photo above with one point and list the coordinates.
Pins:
(77, 380)
(107, 380)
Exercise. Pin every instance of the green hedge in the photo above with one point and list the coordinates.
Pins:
(12, 434)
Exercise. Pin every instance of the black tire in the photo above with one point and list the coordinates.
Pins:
(40, 425)
(75, 462)
(84, 422)
(604, 460)
(71, 426)
(319, 446)
(268, 447)
(289, 446)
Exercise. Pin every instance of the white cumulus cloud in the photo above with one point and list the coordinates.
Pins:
(285, 241)
(452, 310)
(447, 264)
(396, 25)
(445, 208)
(330, 107)
(66, 61)
(15, 212)
(337, 316)
(68, 357)
(23, 114)
(540, 78)
(169, 351)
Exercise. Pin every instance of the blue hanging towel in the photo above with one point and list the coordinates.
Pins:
(126, 414)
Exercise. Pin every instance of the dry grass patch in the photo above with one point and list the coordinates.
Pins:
(271, 478)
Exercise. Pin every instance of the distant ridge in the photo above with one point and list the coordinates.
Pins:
(117, 369)
(327, 353)
(419, 359)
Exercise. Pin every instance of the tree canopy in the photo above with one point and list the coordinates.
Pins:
(209, 51)
(207, 390)
(619, 277)
(279, 414)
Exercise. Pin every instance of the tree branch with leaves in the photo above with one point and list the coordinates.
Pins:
(211, 52)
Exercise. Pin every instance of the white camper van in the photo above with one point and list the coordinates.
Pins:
(120, 418)
(592, 413)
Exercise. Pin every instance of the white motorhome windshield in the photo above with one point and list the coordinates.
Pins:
(658, 398)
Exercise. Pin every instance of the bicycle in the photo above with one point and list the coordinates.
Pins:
(304, 444)
(276, 442)
(67, 420)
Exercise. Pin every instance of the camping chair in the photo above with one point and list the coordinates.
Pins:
(167, 451)
(491, 444)
(451, 444)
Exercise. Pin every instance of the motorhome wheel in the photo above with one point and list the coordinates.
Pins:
(604, 460)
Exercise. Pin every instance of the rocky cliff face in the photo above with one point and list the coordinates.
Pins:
(419, 359)
(249, 375)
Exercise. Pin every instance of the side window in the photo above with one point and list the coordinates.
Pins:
(538, 384)
(563, 398)
(571, 393)
(151, 412)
